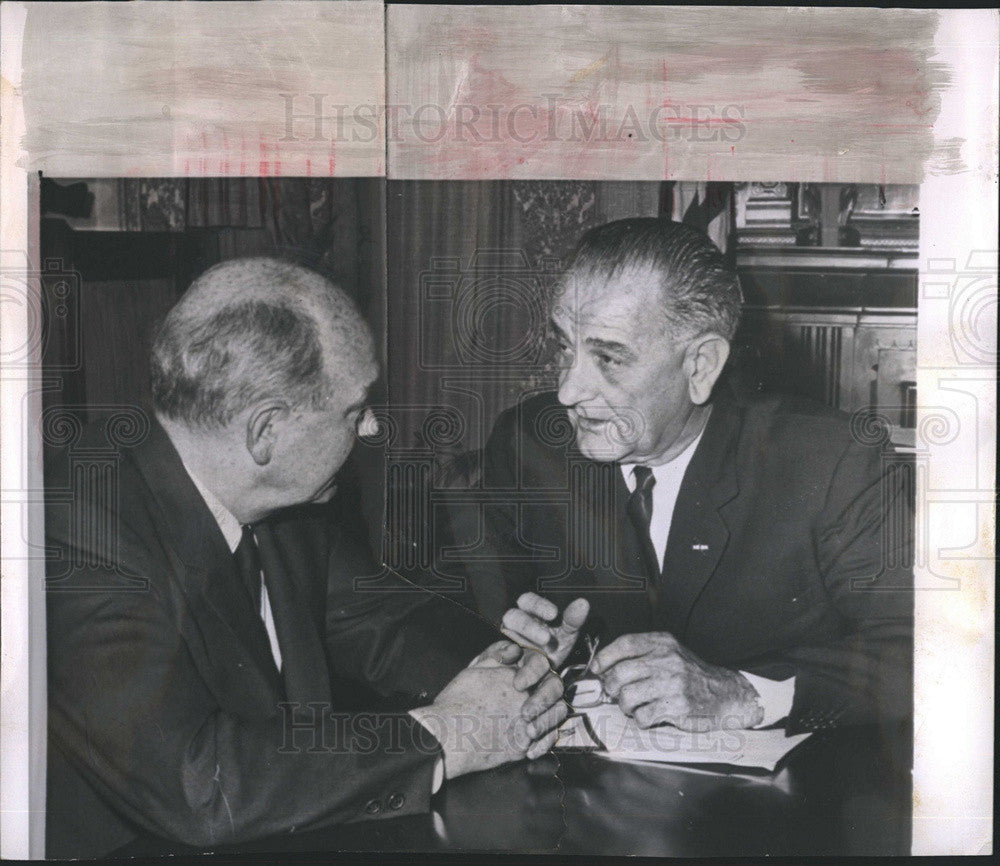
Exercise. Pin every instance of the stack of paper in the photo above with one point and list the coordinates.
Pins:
(616, 736)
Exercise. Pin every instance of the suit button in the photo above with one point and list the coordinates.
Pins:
(396, 801)
(373, 807)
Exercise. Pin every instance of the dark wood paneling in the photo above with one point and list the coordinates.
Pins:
(816, 288)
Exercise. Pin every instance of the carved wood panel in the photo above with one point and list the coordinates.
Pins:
(835, 356)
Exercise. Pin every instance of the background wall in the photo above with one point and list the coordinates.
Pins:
(464, 270)
(829, 274)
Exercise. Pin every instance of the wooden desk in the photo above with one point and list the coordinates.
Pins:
(844, 792)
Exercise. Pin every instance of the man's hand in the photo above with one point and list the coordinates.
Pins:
(655, 679)
(544, 709)
(482, 717)
(530, 625)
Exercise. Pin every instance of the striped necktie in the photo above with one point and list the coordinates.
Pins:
(639, 508)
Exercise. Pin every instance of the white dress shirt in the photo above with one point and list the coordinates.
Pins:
(233, 532)
(775, 696)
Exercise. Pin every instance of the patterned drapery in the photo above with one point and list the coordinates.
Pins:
(177, 204)
(471, 265)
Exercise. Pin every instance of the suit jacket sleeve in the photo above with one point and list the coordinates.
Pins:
(500, 572)
(391, 633)
(131, 710)
(863, 542)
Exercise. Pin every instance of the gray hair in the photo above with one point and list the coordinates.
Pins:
(699, 290)
(246, 331)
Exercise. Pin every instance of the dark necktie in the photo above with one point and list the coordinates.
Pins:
(640, 511)
(247, 558)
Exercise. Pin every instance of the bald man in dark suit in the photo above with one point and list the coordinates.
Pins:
(217, 670)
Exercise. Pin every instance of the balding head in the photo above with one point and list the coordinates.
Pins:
(249, 330)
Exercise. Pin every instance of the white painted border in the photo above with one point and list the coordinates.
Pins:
(22, 586)
(956, 388)
(954, 737)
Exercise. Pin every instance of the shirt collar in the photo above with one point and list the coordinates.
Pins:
(678, 464)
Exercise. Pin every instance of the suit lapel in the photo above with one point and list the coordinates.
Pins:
(698, 531)
(603, 550)
(232, 634)
(608, 530)
(224, 596)
(631, 559)
(290, 578)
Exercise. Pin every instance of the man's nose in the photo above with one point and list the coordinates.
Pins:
(574, 385)
(367, 424)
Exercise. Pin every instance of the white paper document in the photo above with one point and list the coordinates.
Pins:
(616, 736)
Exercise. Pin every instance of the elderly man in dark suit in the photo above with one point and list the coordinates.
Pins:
(217, 671)
(739, 555)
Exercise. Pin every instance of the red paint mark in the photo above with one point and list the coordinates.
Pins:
(308, 174)
(264, 167)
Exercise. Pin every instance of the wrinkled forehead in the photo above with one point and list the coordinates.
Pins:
(629, 295)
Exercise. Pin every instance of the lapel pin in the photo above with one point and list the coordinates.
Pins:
(699, 547)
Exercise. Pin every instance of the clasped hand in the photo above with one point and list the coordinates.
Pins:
(506, 705)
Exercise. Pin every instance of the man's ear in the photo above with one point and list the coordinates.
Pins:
(262, 430)
(703, 363)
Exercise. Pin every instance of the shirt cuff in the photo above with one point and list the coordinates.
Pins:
(438, 776)
(776, 697)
